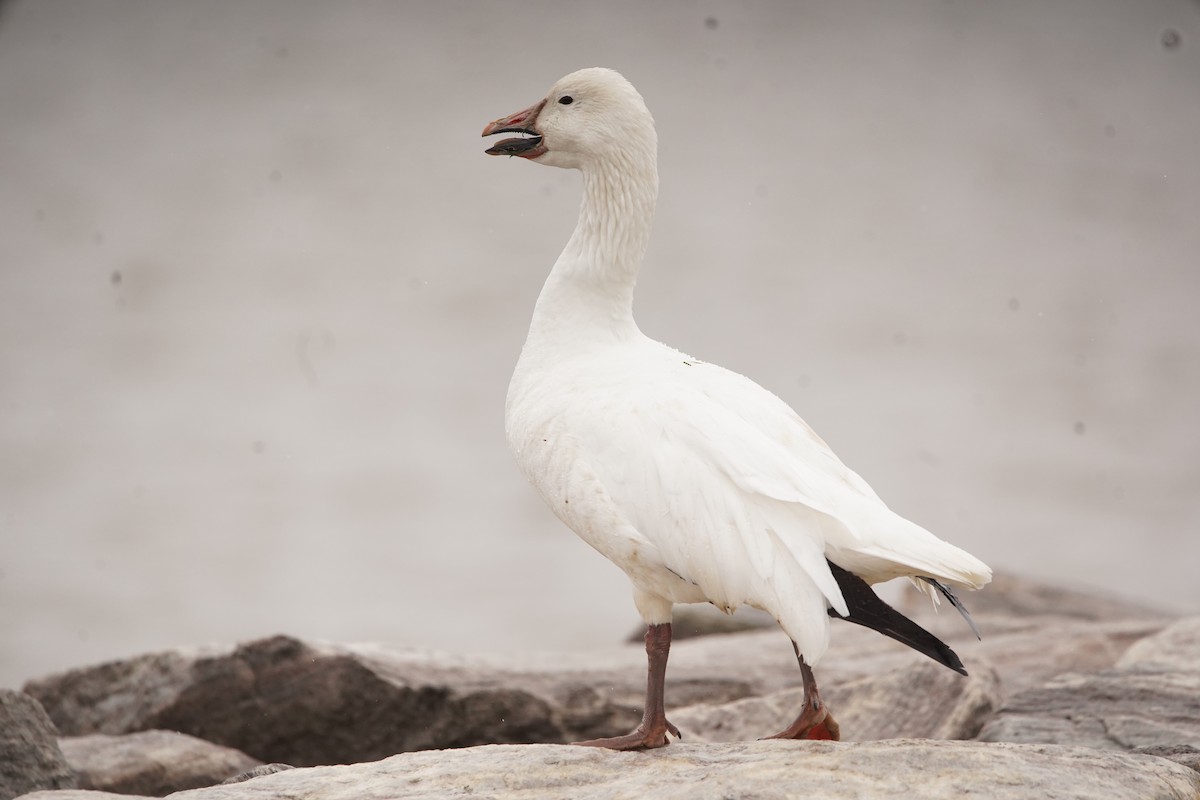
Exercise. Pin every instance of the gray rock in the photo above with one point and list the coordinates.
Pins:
(1117, 709)
(305, 703)
(283, 700)
(1176, 647)
(150, 762)
(82, 701)
(257, 772)
(1023, 651)
(1026, 653)
(924, 700)
(767, 770)
(30, 758)
(301, 703)
(1031, 632)
(1179, 753)
(1151, 698)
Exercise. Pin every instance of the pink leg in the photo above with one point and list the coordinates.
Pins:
(654, 727)
(815, 721)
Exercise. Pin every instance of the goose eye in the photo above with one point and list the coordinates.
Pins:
(566, 99)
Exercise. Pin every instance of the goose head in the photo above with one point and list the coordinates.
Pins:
(590, 116)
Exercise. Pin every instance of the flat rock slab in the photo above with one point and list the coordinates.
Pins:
(766, 770)
(151, 762)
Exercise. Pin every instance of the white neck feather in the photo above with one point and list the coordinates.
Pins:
(590, 289)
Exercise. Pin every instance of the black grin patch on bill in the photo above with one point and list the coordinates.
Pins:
(513, 147)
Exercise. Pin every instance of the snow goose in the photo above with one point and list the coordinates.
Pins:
(698, 483)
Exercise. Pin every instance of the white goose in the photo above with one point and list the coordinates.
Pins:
(701, 485)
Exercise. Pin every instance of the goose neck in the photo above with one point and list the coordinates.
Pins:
(594, 277)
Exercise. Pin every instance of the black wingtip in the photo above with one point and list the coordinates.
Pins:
(950, 595)
(868, 610)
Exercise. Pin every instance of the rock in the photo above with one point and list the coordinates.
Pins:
(1151, 698)
(923, 700)
(1027, 656)
(1116, 709)
(150, 762)
(1027, 650)
(1050, 632)
(1024, 653)
(30, 758)
(283, 700)
(1183, 754)
(1176, 647)
(257, 772)
(775, 769)
(86, 703)
(1033, 631)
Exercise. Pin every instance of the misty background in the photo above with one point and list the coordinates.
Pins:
(261, 293)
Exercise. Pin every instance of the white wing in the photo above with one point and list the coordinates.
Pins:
(740, 498)
(867, 537)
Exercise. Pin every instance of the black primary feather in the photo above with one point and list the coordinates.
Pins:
(949, 594)
(868, 610)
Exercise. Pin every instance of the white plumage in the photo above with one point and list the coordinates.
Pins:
(698, 483)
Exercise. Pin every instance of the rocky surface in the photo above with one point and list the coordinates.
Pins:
(1068, 696)
(1175, 648)
(303, 703)
(923, 700)
(1149, 701)
(1114, 709)
(257, 772)
(1184, 754)
(767, 770)
(308, 703)
(151, 762)
(30, 758)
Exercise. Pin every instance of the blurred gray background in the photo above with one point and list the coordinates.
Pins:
(261, 293)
